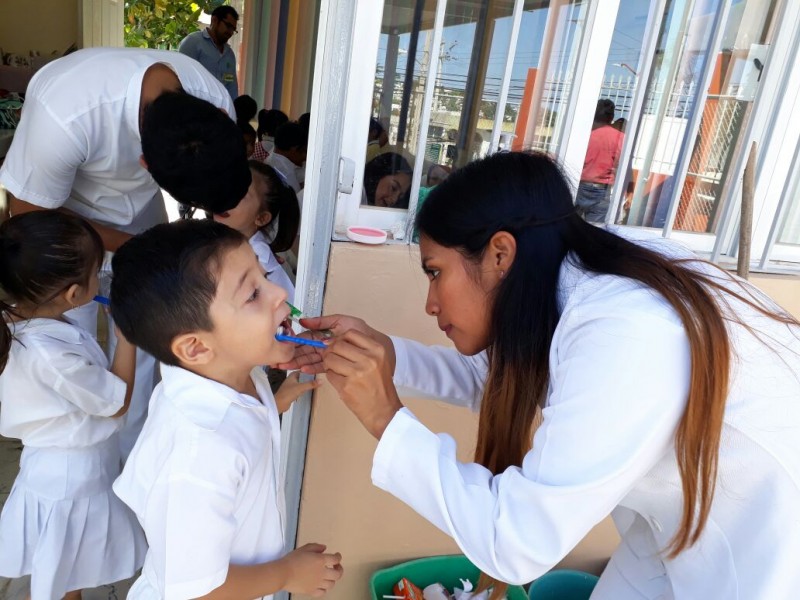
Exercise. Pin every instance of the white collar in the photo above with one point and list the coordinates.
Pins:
(53, 328)
(207, 409)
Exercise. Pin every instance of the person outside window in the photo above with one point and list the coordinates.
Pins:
(600, 165)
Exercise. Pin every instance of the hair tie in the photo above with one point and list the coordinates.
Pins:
(480, 237)
(534, 222)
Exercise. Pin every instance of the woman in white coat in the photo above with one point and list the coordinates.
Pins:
(668, 394)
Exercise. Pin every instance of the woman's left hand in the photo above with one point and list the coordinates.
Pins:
(360, 369)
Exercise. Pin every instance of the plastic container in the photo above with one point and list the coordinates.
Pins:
(564, 584)
(447, 570)
(366, 235)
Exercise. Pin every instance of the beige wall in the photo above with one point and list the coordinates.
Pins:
(784, 289)
(43, 25)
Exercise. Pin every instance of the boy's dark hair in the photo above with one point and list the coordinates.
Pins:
(195, 152)
(280, 201)
(290, 135)
(165, 280)
(269, 121)
(247, 129)
(223, 11)
(42, 253)
(246, 108)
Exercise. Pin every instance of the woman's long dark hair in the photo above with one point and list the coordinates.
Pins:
(42, 253)
(528, 196)
(280, 201)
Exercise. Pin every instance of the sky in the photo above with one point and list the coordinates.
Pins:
(457, 46)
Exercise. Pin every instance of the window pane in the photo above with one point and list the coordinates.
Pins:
(737, 74)
(561, 52)
(790, 231)
(672, 88)
(599, 175)
(400, 75)
(523, 75)
(470, 60)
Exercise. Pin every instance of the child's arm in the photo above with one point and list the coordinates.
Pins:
(291, 390)
(124, 367)
(306, 570)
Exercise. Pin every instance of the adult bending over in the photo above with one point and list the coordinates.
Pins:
(102, 130)
(669, 394)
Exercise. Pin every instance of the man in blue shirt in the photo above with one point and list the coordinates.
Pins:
(211, 49)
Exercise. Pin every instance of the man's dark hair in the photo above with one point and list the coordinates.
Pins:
(269, 121)
(224, 11)
(165, 280)
(246, 108)
(290, 135)
(195, 152)
(604, 113)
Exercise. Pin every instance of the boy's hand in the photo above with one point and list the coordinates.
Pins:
(291, 390)
(309, 571)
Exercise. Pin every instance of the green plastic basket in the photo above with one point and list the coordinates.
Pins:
(422, 572)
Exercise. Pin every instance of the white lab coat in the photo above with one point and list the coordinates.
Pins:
(619, 372)
(203, 480)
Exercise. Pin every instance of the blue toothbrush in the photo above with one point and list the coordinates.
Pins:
(299, 340)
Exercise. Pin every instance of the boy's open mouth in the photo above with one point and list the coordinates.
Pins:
(285, 327)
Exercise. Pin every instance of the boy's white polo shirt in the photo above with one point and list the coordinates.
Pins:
(203, 480)
(78, 142)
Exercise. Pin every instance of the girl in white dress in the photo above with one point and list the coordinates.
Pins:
(61, 524)
(257, 218)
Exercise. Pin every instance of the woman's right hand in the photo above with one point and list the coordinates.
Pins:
(309, 359)
(310, 571)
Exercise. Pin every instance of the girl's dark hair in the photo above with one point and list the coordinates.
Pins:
(280, 201)
(379, 167)
(527, 196)
(42, 253)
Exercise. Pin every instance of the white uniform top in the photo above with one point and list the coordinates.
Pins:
(286, 168)
(78, 143)
(56, 390)
(203, 480)
(270, 264)
(619, 372)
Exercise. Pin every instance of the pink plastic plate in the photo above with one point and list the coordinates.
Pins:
(366, 235)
